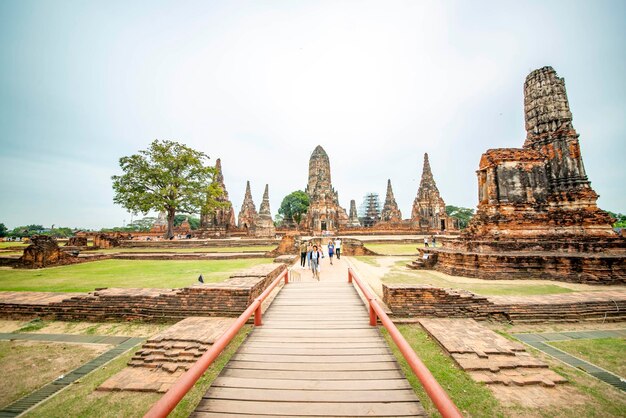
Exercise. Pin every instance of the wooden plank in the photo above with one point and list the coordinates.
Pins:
(317, 351)
(381, 409)
(253, 365)
(308, 358)
(284, 384)
(314, 374)
(325, 333)
(279, 395)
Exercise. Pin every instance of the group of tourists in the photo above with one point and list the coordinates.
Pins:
(311, 254)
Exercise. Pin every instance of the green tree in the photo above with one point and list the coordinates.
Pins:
(169, 177)
(194, 222)
(144, 224)
(294, 205)
(3, 230)
(26, 231)
(462, 215)
(620, 219)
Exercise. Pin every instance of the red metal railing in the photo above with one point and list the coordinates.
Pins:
(173, 396)
(440, 398)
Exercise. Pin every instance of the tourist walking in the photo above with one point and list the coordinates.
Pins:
(309, 250)
(302, 254)
(315, 262)
(433, 241)
(331, 251)
(338, 248)
(425, 242)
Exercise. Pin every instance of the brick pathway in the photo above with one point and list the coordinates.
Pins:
(489, 357)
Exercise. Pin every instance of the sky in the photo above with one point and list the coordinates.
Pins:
(259, 84)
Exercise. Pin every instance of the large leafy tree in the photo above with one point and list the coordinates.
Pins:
(462, 215)
(294, 205)
(169, 177)
(3, 231)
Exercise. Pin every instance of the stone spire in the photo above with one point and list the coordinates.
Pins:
(390, 212)
(264, 225)
(353, 220)
(223, 216)
(429, 209)
(264, 210)
(549, 130)
(247, 214)
(324, 213)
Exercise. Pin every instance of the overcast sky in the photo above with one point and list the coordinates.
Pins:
(261, 83)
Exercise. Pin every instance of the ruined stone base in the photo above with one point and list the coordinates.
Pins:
(488, 357)
(592, 261)
(166, 356)
(406, 300)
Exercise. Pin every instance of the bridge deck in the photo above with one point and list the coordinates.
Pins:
(315, 355)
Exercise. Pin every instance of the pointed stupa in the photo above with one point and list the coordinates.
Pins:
(222, 217)
(324, 213)
(264, 225)
(264, 210)
(390, 212)
(353, 219)
(429, 208)
(247, 214)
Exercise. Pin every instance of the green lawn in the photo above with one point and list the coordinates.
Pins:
(395, 249)
(82, 400)
(485, 287)
(608, 353)
(122, 273)
(8, 244)
(256, 248)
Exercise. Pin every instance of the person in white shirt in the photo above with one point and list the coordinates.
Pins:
(338, 248)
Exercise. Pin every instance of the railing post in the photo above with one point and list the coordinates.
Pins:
(349, 275)
(287, 276)
(258, 316)
(373, 318)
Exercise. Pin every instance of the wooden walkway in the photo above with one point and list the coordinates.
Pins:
(315, 355)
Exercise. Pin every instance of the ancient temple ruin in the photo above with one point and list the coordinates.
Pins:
(429, 209)
(353, 219)
(263, 224)
(324, 213)
(390, 212)
(537, 215)
(247, 214)
(220, 220)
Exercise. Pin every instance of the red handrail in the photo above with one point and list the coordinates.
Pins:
(185, 382)
(440, 398)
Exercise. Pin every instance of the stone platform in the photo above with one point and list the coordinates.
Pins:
(228, 298)
(166, 356)
(488, 357)
(406, 300)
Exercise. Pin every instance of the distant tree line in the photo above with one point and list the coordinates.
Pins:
(462, 215)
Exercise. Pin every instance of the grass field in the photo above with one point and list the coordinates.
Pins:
(122, 273)
(81, 399)
(256, 248)
(608, 353)
(50, 360)
(395, 249)
(590, 397)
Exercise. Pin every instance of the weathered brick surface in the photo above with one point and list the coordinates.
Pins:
(166, 356)
(406, 300)
(489, 357)
(228, 298)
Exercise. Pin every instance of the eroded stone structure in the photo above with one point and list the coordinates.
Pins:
(221, 219)
(43, 252)
(263, 224)
(390, 212)
(429, 209)
(353, 219)
(248, 213)
(324, 213)
(537, 215)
